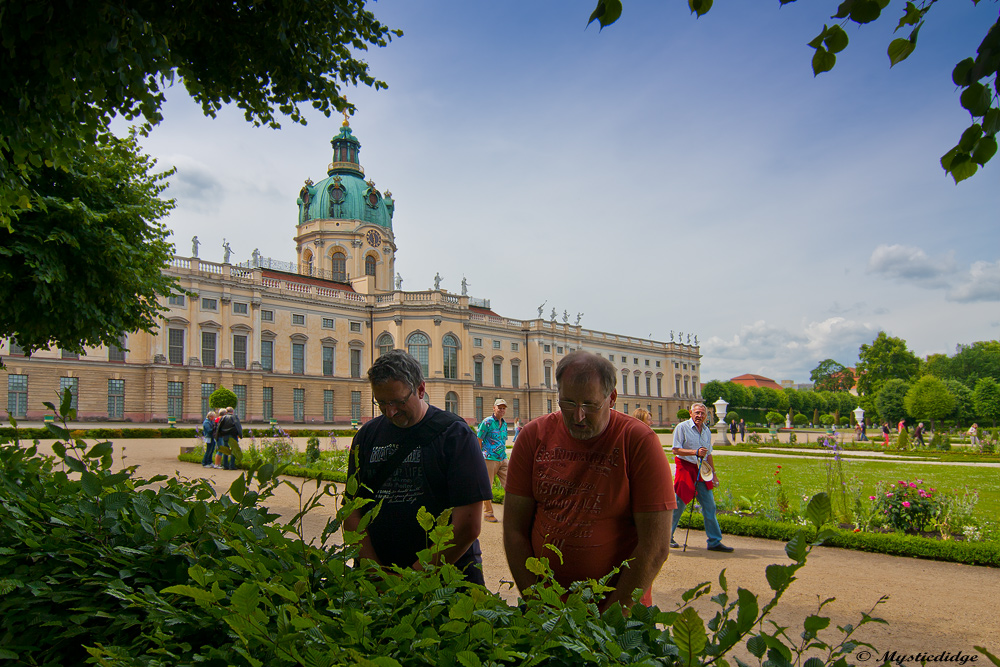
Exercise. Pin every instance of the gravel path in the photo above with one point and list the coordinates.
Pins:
(932, 607)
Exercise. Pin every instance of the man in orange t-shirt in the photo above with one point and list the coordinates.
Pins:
(592, 482)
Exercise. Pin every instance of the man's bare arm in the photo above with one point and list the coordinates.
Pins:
(647, 558)
(367, 550)
(518, 517)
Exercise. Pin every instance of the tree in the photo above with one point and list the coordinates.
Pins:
(830, 375)
(711, 392)
(886, 358)
(964, 409)
(986, 399)
(222, 398)
(69, 67)
(972, 362)
(929, 398)
(978, 143)
(84, 268)
(889, 402)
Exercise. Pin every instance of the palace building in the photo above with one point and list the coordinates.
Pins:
(294, 341)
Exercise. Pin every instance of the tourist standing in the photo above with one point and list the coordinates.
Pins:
(592, 482)
(743, 430)
(692, 445)
(492, 436)
(208, 435)
(415, 455)
(974, 434)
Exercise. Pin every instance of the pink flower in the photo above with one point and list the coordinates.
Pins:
(902, 482)
(906, 503)
(888, 495)
(871, 497)
(912, 485)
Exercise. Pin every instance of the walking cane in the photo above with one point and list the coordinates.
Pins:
(691, 513)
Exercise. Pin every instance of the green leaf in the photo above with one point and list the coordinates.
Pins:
(991, 121)
(970, 138)
(425, 519)
(960, 75)
(99, 450)
(238, 489)
(700, 7)
(196, 517)
(462, 609)
(985, 150)
(796, 548)
(962, 167)
(836, 39)
(814, 662)
(468, 659)
(992, 658)
(199, 595)
(116, 500)
(245, 598)
(818, 510)
(910, 16)
(90, 483)
(815, 623)
(747, 610)
(975, 98)
(689, 635)
(74, 464)
(535, 566)
(757, 646)
(606, 12)
(843, 11)
(67, 400)
(899, 50)
(722, 580)
(823, 61)
(779, 576)
(865, 11)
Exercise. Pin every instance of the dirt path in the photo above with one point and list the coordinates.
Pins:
(931, 607)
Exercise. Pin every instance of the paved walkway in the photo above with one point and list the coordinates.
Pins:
(932, 607)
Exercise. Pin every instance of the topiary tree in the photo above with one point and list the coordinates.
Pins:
(773, 417)
(732, 416)
(222, 398)
(800, 419)
(826, 419)
(683, 414)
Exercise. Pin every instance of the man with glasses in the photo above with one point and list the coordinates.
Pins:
(692, 444)
(592, 482)
(493, 439)
(415, 455)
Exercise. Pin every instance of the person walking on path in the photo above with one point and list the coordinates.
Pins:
(692, 445)
(592, 482)
(492, 436)
(733, 428)
(743, 430)
(415, 456)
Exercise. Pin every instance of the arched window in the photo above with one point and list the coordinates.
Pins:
(369, 265)
(451, 402)
(385, 344)
(419, 348)
(339, 266)
(450, 346)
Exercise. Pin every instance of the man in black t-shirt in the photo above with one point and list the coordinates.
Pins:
(413, 456)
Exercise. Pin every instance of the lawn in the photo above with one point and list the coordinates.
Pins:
(745, 476)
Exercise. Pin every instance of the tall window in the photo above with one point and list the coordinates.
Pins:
(649, 381)
(515, 408)
(451, 402)
(497, 372)
(267, 355)
(299, 405)
(479, 409)
(116, 399)
(175, 346)
(356, 405)
(385, 344)
(206, 392)
(625, 382)
(548, 377)
(267, 393)
(515, 376)
(208, 348)
(117, 352)
(369, 265)
(355, 363)
(328, 405)
(659, 410)
(477, 372)
(241, 400)
(686, 385)
(677, 385)
(635, 384)
(299, 358)
(339, 266)
(175, 399)
(239, 351)
(659, 386)
(328, 360)
(17, 395)
(548, 405)
(419, 348)
(73, 384)
(450, 347)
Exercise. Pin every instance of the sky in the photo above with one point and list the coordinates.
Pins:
(665, 174)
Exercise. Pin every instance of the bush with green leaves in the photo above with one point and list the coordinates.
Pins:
(774, 418)
(683, 414)
(906, 506)
(826, 419)
(312, 450)
(222, 398)
(800, 419)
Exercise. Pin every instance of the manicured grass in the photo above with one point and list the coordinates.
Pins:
(746, 475)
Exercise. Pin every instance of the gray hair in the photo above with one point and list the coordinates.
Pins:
(590, 365)
(396, 365)
(695, 405)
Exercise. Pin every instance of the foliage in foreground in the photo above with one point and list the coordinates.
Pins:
(162, 571)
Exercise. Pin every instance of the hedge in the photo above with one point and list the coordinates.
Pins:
(260, 430)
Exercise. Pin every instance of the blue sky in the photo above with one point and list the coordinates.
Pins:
(665, 174)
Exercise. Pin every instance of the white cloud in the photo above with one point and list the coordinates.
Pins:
(911, 264)
(982, 283)
(194, 184)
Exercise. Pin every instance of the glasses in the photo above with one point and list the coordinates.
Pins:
(399, 403)
(588, 408)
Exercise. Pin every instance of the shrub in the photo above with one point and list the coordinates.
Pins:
(732, 416)
(826, 419)
(906, 506)
(683, 414)
(774, 417)
(800, 419)
(222, 398)
(844, 421)
(312, 450)
(903, 441)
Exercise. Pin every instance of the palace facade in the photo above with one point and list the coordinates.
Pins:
(294, 341)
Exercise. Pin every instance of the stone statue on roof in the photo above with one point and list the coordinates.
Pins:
(465, 286)
(226, 251)
(542, 307)
(399, 281)
(194, 246)
(437, 281)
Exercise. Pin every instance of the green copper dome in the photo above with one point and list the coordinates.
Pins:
(344, 194)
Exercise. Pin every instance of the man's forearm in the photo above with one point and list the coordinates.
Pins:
(645, 560)
(518, 548)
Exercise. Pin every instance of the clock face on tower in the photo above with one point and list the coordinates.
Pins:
(374, 238)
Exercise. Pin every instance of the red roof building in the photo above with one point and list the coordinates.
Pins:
(751, 380)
